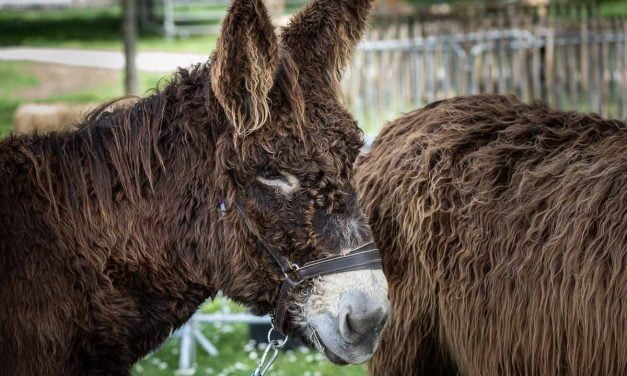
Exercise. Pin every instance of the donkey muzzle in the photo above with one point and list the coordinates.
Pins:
(365, 257)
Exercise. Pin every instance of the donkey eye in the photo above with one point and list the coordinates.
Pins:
(272, 175)
(282, 180)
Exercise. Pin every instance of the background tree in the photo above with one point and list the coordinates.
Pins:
(129, 27)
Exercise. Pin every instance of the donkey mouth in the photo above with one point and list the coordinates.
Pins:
(333, 358)
(326, 338)
(339, 360)
(314, 341)
(311, 338)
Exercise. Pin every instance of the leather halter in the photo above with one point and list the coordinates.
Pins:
(366, 256)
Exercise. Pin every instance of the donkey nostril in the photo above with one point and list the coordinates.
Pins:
(346, 330)
(364, 322)
(360, 316)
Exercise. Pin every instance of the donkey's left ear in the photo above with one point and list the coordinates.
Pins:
(244, 65)
(321, 38)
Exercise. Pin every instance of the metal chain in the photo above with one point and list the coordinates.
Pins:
(274, 345)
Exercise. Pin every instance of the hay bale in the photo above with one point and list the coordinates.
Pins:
(44, 118)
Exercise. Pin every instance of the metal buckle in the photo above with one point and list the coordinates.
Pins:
(294, 268)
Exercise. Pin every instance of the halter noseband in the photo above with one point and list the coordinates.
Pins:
(366, 256)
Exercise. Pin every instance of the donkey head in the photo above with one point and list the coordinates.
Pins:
(284, 163)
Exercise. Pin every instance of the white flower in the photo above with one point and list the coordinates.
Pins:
(249, 346)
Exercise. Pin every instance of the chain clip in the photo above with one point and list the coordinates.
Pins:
(274, 345)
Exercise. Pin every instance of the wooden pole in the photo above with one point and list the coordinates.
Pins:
(129, 28)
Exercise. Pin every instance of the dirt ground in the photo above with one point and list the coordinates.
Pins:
(62, 79)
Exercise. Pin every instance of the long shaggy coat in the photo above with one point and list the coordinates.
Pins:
(503, 227)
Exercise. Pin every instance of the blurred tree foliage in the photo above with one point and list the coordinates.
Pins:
(609, 8)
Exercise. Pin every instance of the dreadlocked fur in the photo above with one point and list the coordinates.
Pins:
(111, 237)
(503, 232)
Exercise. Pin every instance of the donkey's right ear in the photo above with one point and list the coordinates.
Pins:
(244, 65)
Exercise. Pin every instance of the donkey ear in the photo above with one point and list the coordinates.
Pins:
(321, 38)
(244, 65)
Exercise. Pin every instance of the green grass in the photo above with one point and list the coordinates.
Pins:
(614, 8)
(13, 77)
(239, 356)
(147, 81)
(74, 28)
(16, 76)
(85, 28)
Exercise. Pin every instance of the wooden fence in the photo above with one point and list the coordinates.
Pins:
(571, 59)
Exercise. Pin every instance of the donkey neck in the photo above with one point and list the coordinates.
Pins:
(132, 189)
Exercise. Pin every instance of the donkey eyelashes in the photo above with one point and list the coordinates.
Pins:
(281, 180)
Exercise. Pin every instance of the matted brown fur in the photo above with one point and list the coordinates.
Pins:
(111, 236)
(503, 228)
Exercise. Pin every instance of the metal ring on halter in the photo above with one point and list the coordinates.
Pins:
(273, 345)
(276, 343)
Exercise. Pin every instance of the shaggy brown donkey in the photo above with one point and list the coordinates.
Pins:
(503, 229)
(112, 236)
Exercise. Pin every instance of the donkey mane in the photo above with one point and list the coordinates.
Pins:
(119, 148)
